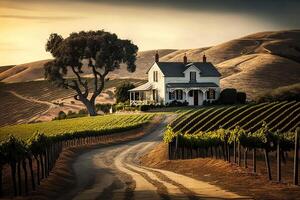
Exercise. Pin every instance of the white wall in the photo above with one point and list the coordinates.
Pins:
(160, 85)
(163, 94)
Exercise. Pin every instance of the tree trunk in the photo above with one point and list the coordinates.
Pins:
(1, 190)
(42, 166)
(268, 164)
(90, 106)
(38, 169)
(14, 177)
(25, 176)
(19, 178)
(31, 173)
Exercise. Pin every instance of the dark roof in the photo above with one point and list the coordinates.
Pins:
(187, 85)
(176, 69)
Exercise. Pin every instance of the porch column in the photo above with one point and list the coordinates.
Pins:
(204, 94)
(186, 91)
(130, 101)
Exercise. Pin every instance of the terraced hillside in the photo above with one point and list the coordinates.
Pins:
(34, 100)
(282, 116)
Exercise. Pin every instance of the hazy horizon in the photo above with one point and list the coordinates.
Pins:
(25, 26)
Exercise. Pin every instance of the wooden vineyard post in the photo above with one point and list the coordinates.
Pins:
(239, 154)
(268, 164)
(228, 151)
(169, 148)
(254, 160)
(278, 161)
(245, 158)
(234, 151)
(176, 148)
(296, 156)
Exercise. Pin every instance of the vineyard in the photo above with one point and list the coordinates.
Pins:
(28, 152)
(281, 116)
(231, 132)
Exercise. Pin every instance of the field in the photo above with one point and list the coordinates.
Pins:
(282, 116)
(241, 134)
(15, 110)
(77, 125)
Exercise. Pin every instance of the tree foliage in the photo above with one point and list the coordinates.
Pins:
(122, 93)
(98, 52)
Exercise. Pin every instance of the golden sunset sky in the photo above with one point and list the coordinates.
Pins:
(26, 25)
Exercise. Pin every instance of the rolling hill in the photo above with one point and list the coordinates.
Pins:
(254, 63)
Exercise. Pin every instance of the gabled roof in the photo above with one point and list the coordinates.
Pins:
(176, 69)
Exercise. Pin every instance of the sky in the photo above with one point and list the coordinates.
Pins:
(158, 24)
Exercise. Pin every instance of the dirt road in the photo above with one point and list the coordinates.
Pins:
(114, 173)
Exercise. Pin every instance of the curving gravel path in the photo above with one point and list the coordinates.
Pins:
(113, 173)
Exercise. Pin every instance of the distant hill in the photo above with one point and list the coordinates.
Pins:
(254, 63)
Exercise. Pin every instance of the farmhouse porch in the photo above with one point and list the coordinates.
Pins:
(143, 95)
(192, 93)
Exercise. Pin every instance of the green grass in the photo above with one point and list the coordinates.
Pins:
(77, 125)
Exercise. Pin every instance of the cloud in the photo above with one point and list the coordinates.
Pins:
(31, 17)
(282, 12)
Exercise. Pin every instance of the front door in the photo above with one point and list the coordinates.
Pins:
(195, 97)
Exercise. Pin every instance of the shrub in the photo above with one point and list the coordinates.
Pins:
(144, 107)
(228, 96)
(70, 112)
(241, 97)
(103, 107)
(177, 103)
(82, 112)
(61, 115)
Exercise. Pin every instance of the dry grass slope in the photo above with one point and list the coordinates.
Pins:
(254, 63)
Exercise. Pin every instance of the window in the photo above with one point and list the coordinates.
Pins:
(211, 94)
(178, 94)
(155, 76)
(155, 95)
(171, 96)
(192, 76)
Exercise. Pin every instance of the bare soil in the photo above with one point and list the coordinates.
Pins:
(225, 175)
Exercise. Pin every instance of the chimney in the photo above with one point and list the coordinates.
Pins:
(204, 58)
(184, 59)
(156, 57)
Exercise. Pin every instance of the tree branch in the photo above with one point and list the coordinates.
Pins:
(98, 89)
(84, 84)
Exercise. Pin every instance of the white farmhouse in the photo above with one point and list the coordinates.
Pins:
(193, 82)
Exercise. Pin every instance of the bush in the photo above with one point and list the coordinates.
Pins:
(228, 96)
(122, 93)
(175, 103)
(241, 97)
(61, 115)
(82, 112)
(144, 107)
(105, 108)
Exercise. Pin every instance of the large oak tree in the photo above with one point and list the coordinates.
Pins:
(97, 51)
